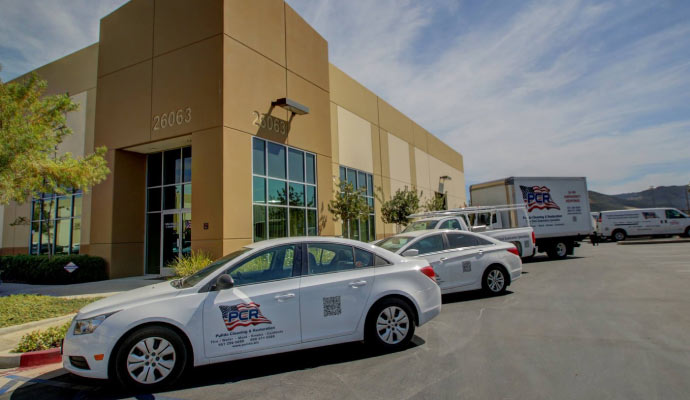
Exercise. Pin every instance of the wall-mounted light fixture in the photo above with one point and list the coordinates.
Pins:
(292, 106)
(441, 181)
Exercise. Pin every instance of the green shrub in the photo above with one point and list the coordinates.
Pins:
(42, 339)
(22, 308)
(51, 271)
(187, 265)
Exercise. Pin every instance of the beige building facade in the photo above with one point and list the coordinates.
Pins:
(186, 97)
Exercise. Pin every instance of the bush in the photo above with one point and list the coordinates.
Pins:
(22, 308)
(42, 339)
(187, 265)
(51, 271)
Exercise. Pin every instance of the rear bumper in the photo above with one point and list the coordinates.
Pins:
(430, 304)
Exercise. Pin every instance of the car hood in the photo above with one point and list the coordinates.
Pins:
(129, 299)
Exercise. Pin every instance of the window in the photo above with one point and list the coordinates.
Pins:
(269, 265)
(364, 230)
(395, 243)
(329, 257)
(283, 191)
(56, 223)
(673, 214)
(429, 244)
(458, 240)
(421, 225)
(450, 224)
(363, 258)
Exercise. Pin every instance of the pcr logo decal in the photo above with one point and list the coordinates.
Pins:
(243, 314)
(538, 197)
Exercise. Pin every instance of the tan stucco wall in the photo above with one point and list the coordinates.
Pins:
(223, 60)
(398, 151)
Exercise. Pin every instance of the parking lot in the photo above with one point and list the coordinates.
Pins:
(611, 322)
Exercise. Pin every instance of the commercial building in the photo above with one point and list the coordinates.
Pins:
(225, 124)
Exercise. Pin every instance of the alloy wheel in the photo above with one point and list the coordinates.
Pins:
(495, 280)
(151, 360)
(561, 249)
(392, 325)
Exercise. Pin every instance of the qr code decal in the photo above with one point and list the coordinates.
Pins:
(331, 306)
(466, 266)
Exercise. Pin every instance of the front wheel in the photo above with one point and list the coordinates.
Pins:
(618, 236)
(390, 324)
(494, 281)
(150, 358)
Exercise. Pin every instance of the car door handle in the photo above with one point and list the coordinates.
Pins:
(283, 297)
(357, 284)
(480, 252)
(443, 259)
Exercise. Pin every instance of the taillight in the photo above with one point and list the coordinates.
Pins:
(599, 219)
(429, 272)
(534, 238)
(514, 250)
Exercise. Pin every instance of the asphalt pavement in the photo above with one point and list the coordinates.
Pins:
(611, 322)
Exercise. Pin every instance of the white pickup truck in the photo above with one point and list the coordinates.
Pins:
(505, 223)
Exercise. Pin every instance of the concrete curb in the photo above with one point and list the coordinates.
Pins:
(30, 359)
(658, 241)
(40, 324)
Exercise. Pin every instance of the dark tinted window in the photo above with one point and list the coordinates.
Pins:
(450, 224)
(457, 240)
(673, 214)
(329, 257)
(363, 258)
(429, 244)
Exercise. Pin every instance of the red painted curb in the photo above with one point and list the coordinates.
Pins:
(41, 357)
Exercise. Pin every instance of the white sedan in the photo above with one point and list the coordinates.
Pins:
(269, 297)
(462, 260)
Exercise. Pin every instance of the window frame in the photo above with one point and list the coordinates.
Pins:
(296, 269)
(443, 240)
(343, 172)
(287, 181)
(305, 258)
(52, 221)
(488, 243)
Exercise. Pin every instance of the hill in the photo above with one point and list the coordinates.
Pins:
(662, 196)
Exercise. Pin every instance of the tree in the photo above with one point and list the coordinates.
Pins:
(403, 203)
(349, 205)
(31, 128)
(437, 202)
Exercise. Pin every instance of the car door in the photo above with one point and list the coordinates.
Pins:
(471, 258)
(334, 289)
(432, 249)
(262, 309)
(675, 222)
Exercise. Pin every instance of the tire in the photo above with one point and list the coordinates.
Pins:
(157, 371)
(558, 250)
(618, 235)
(494, 280)
(390, 324)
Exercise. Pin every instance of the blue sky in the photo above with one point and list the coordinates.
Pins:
(567, 87)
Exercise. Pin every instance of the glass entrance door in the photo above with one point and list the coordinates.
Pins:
(168, 207)
(176, 232)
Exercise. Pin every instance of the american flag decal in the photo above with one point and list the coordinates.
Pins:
(243, 314)
(538, 197)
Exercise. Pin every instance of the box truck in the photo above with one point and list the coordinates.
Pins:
(558, 208)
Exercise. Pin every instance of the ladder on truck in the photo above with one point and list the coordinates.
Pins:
(509, 214)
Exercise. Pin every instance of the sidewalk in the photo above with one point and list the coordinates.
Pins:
(89, 289)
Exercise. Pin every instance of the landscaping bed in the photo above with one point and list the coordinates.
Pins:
(23, 308)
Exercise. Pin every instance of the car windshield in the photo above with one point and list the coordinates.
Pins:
(420, 226)
(198, 276)
(394, 243)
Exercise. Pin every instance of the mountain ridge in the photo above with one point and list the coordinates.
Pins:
(662, 196)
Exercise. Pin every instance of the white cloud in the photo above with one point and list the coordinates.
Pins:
(36, 32)
(555, 88)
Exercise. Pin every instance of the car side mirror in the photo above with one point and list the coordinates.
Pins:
(410, 253)
(224, 281)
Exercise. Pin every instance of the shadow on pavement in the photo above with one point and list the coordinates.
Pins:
(469, 296)
(538, 259)
(73, 387)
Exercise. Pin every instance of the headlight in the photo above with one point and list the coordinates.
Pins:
(85, 326)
